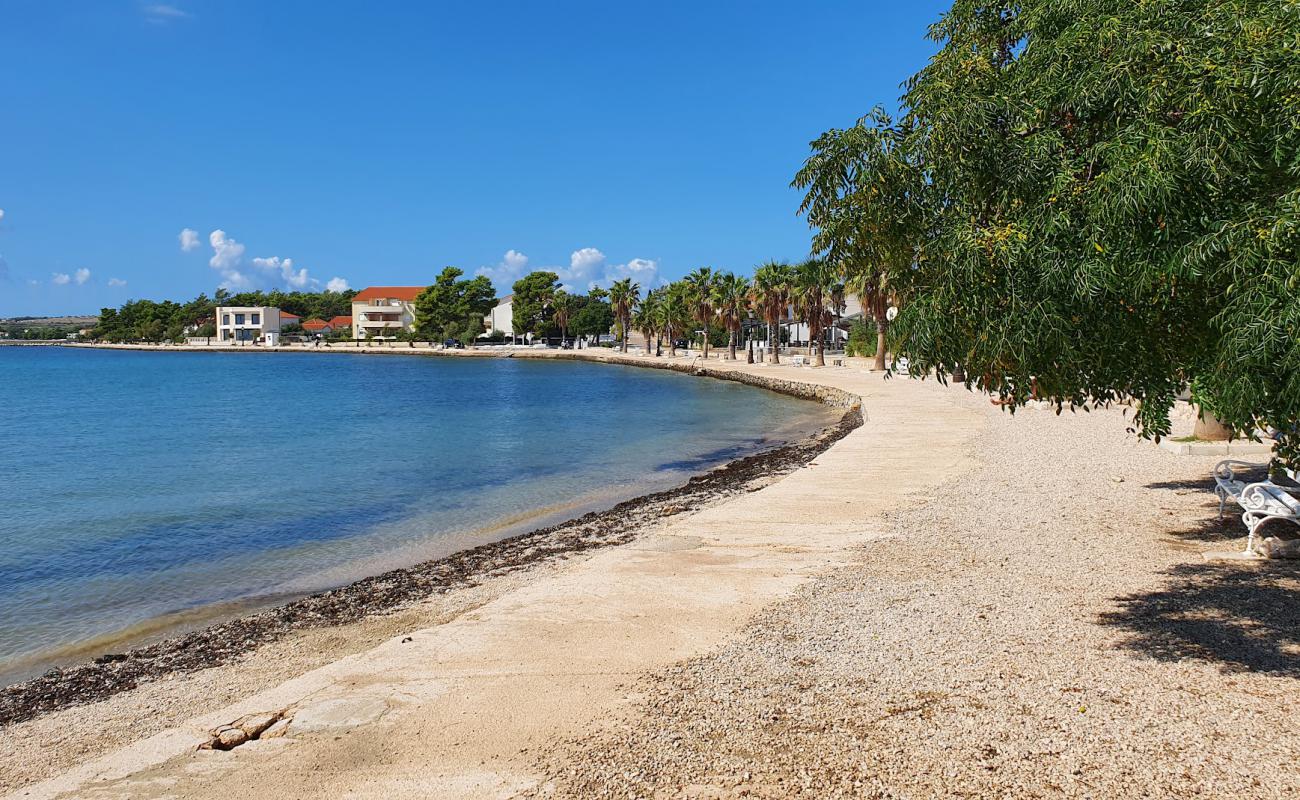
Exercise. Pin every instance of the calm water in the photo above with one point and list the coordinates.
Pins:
(146, 490)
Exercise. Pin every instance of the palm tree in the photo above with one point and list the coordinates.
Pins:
(646, 320)
(674, 314)
(813, 284)
(699, 286)
(623, 295)
(563, 305)
(870, 287)
(771, 296)
(731, 299)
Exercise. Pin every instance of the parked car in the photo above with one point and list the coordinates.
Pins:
(453, 344)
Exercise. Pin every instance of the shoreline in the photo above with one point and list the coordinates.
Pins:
(224, 642)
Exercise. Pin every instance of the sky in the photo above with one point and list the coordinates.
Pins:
(158, 150)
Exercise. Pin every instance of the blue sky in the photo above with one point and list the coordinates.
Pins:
(375, 143)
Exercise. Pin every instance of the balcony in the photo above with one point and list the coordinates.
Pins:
(380, 323)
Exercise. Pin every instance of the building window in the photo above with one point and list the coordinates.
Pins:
(257, 319)
(239, 319)
(225, 319)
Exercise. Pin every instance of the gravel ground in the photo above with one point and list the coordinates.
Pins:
(1045, 626)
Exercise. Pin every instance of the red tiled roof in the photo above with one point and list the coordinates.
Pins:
(315, 325)
(383, 292)
(287, 315)
(341, 322)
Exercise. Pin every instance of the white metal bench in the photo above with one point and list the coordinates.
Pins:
(1262, 502)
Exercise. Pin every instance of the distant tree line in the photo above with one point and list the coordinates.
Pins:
(151, 321)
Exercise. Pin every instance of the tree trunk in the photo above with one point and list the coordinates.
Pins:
(821, 350)
(881, 327)
(773, 344)
(623, 325)
(731, 347)
(1209, 428)
(958, 374)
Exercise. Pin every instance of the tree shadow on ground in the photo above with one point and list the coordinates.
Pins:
(1209, 528)
(1213, 529)
(1242, 617)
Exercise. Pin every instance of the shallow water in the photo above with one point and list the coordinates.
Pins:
(141, 487)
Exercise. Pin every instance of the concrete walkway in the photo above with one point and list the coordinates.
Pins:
(459, 710)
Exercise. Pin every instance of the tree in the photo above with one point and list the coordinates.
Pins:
(1111, 201)
(731, 299)
(814, 282)
(699, 292)
(771, 289)
(623, 296)
(452, 307)
(674, 314)
(531, 308)
(864, 199)
(594, 316)
(565, 305)
(646, 320)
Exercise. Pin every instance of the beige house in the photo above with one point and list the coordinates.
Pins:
(379, 312)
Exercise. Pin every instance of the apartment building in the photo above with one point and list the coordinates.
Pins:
(379, 312)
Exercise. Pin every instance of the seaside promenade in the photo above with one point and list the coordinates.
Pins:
(949, 600)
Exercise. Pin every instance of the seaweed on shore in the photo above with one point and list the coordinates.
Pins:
(225, 642)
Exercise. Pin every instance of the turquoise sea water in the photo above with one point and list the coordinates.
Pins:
(141, 490)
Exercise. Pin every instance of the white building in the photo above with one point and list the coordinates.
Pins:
(501, 317)
(379, 312)
(798, 331)
(247, 324)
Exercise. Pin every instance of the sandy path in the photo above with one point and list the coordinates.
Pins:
(1046, 627)
(460, 709)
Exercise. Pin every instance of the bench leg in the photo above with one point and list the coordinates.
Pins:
(1222, 499)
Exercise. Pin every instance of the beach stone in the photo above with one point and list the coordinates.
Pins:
(277, 729)
(254, 724)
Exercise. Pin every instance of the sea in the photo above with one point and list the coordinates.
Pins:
(143, 493)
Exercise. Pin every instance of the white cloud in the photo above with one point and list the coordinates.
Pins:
(226, 257)
(162, 13)
(2, 213)
(82, 275)
(512, 267)
(585, 267)
(115, 282)
(293, 279)
(226, 252)
(33, 282)
(588, 267)
(189, 239)
(60, 278)
(337, 285)
(263, 272)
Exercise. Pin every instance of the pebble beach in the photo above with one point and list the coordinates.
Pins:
(949, 601)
